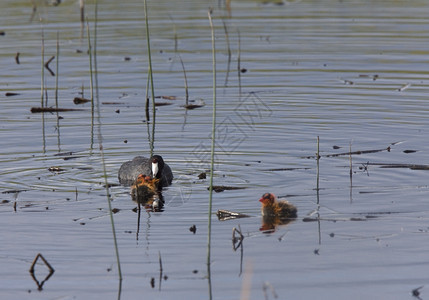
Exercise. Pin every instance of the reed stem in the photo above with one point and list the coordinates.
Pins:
(42, 83)
(212, 153)
(239, 63)
(91, 88)
(317, 179)
(150, 76)
(100, 141)
(186, 82)
(57, 69)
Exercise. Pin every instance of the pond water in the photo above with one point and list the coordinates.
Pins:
(353, 73)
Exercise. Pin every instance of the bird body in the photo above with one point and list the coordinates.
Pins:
(155, 166)
(272, 208)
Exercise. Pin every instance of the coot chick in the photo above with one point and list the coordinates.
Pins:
(130, 170)
(271, 208)
(144, 189)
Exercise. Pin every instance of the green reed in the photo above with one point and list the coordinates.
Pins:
(42, 83)
(57, 55)
(100, 138)
(91, 75)
(212, 154)
(150, 77)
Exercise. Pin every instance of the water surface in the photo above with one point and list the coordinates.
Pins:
(353, 73)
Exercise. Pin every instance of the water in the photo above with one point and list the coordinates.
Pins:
(350, 72)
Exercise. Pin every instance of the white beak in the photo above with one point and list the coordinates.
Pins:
(154, 169)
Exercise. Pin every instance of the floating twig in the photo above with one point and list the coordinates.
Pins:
(52, 109)
(17, 58)
(359, 152)
(221, 188)
(394, 165)
(404, 87)
(223, 215)
(48, 265)
(47, 65)
(237, 240)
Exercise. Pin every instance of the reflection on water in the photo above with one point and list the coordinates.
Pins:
(352, 73)
(33, 273)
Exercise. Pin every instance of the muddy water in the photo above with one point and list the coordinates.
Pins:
(351, 72)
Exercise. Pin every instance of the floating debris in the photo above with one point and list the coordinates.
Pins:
(404, 87)
(80, 100)
(224, 215)
(409, 151)
(47, 65)
(221, 188)
(394, 165)
(237, 241)
(416, 292)
(287, 169)
(17, 58)
(162, 103)
(112, 103)
(52, 109)
(167, 97)
(51, 271)
(192, 106)
(374, 77)
(55, 169)
(359, 152)
(13, 191)
(347, 82)
(193, 229)
(10, 94)
(63, 153)
(200, 103)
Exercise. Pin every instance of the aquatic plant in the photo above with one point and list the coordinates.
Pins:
(150, 78)
(212, 153)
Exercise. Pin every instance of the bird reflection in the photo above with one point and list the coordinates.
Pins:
(269, 224)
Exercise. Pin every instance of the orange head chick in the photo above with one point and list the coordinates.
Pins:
(272, 208)
(144, 188)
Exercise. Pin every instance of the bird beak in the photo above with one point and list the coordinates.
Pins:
(262, 200)
(154, 169)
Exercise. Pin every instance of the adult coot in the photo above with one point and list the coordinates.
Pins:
(155, 166)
